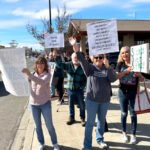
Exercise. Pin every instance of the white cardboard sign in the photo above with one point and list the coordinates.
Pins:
(12, 61)
(102, 37)
(54, 40)
(52, 66)
(139, 58)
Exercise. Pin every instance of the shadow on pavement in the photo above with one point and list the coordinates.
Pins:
(126, 146)
(143, 134)
(3, 91)
(143, 130)
(113, 106)
(62, 148)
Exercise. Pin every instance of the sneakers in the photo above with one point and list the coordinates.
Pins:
(103, 145)
(82, 122)
(41, 147)
(70, 121)
(56, 147)
(133, 139)
(125, 137)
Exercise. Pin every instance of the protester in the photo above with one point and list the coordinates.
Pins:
(127, 93)
(52, 86)
(58, 77)
(98, 92)
(76, 81)
(40, 100)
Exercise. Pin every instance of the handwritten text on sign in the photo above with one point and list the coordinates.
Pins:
(139, 56)
(54, 40)
(102, 37)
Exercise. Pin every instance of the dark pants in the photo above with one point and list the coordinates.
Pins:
(76, 95)
(60, 88)
(128, 99)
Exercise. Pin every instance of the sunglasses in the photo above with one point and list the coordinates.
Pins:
(99, 57)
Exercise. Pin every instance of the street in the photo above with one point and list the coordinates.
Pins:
(11, 110)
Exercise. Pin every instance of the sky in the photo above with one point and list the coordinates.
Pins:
(16, 14)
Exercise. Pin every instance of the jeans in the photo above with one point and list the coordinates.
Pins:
(76, 95)
(94, 108)
(46, 111)
(127, 98)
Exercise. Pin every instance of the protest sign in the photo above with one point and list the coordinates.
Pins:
(12, 61)
(52, 66)
(54, 40)
(102, 37)
(139, 58)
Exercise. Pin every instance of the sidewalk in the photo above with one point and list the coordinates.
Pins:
(71, 137)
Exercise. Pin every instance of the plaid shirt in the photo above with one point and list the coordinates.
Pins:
(76, 78)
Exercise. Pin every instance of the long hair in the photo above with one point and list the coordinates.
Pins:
(120, 59)
(41, 60)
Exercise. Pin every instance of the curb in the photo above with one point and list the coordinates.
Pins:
(18, 141)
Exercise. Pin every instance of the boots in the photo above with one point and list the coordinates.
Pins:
(70, 121)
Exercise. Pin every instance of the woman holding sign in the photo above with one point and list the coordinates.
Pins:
(127, 93)
(98, 93)
(40, 100)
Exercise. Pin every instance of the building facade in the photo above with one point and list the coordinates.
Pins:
(130, 32)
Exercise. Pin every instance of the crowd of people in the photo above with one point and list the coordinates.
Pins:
(88, 85)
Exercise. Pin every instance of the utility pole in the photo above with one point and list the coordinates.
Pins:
(50, 22)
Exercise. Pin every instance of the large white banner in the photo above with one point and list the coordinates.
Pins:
(12, 61)
(139, 58)
(102, 37)
(54, 40)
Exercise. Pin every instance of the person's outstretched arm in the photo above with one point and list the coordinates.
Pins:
(86, 66)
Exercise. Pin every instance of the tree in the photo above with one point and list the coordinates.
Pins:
(37, 34)
(61, 23)
(62, 20)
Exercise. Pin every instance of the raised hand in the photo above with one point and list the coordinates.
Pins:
(26, 71)
(106, 62)
(72, 41)
(74, 44)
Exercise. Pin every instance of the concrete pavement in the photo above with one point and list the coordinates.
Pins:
(71, 137)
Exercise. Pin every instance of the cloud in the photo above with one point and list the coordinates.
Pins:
(140, 1)
(72, 7)
(128, 5)
(81, 4)
(4, 24)
(35, 14)
(75, 6)
(33, 45)
(11, 1)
